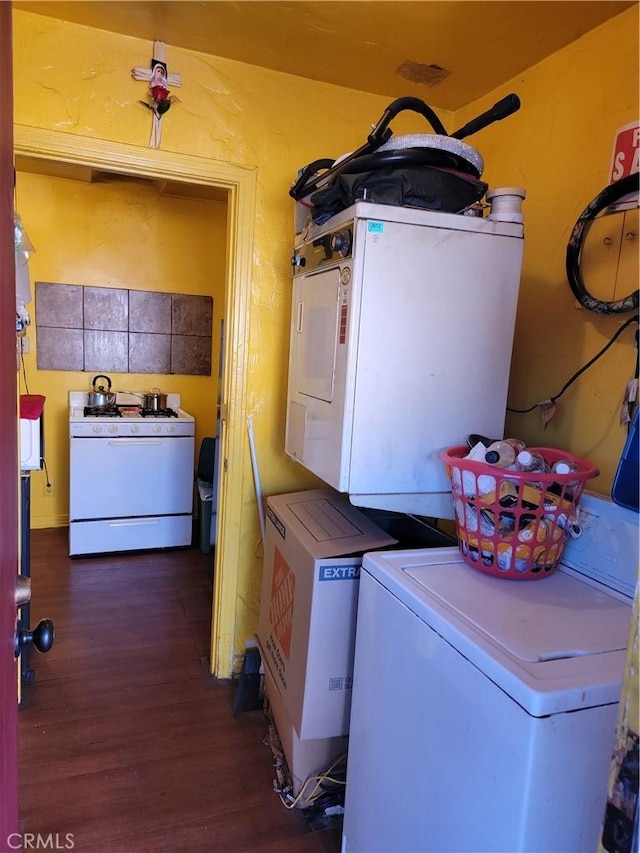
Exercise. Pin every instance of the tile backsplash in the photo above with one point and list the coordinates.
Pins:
(124, 331)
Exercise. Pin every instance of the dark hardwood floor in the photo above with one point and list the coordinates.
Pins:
(126, 741)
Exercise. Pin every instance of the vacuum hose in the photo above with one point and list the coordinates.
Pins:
(378, 137)
(501, 109)
(381, 133)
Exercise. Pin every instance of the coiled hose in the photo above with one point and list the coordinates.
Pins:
(610, 195)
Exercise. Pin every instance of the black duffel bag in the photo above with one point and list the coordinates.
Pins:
(427, 187)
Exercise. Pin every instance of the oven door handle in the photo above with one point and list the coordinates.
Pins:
(128, 442)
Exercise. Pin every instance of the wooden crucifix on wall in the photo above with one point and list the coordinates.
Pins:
(159, 98)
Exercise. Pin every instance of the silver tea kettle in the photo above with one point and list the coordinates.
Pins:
(101, 397)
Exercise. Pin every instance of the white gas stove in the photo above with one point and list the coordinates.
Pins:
(131, 475)
(127, 417)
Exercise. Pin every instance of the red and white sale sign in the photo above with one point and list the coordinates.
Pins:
(626, 152)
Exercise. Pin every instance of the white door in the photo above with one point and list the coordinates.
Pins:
(315, 333)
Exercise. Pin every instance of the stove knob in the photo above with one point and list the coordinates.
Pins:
(97, 428)
(157, 428)
(113, 428)
(135, 428)
(171, 428)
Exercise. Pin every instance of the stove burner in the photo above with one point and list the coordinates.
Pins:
(158, 413)
(102, 412)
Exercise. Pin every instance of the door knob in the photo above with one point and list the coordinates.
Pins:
(41, 637)
(22, 591)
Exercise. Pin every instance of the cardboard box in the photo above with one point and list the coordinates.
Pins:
(304, 758)
(314, 543)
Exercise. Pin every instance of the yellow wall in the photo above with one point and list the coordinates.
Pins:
(75, 80)
(558, 147)
(115, 234)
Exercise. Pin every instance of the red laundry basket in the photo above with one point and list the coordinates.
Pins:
(514, 524)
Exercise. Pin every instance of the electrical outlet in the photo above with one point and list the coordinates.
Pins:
(24, 344)
(48, 490)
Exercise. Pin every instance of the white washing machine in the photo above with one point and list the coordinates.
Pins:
(484, 709)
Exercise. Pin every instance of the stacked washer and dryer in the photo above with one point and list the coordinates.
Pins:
(483, 710)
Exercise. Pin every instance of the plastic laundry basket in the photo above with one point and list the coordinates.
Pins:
(514, 524)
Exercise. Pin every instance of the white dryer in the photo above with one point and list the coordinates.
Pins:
(484, 709)
(402, 327)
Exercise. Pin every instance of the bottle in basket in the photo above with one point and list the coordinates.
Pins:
(503, 453)
(564, 467)
(530, 460)
(540, 530)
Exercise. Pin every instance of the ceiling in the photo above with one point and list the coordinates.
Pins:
(448, 53)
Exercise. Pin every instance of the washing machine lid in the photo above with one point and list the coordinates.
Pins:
(556, 644)
(551, 619)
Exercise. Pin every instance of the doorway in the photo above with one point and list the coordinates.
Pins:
(61, 154)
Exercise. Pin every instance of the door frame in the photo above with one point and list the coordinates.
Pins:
(44, 147)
